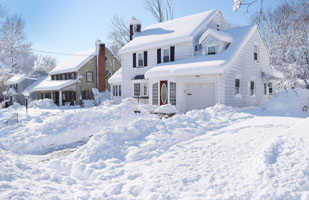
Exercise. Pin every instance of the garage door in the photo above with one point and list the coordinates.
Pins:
(200, 95)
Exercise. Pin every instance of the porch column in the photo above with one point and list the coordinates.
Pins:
(52, 96)
(60, 98)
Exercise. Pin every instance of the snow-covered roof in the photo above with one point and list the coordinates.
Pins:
(116, 78)
(272, 73)
(12, 92)
(30, 88)
(74, 62)
(51, 85)
(17, 79)
(210, 64)
(220, 35)
(170, 32)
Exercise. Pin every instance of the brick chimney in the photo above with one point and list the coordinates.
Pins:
(101, 68)
(135, 27)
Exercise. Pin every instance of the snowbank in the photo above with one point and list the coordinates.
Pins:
(43, 104)
(166, 109)
(100, 97)
(289, 103)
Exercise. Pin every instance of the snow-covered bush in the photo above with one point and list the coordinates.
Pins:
(166, 109)
(43, 104)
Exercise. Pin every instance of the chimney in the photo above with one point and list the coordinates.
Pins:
(135, 27)
(101, 68)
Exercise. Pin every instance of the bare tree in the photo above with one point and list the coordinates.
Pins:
(16, 53)
(286, 32)
(162, 10)
(47, 63)
(120, 34)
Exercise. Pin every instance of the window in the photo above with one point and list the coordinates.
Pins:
(173, 93)
(69, 76)
(52, 77)
(85, 94)
(137, 89)
(140, 59)
(218, 27)
(270, 88)
(237, 86)
(196, 48)
(255, 54)
(166, 55)
(155, 95)
(116, 90)
(211, 50)
(265, 88)
(145, 89)
(63, 76)
(252, 88)
(89, 76)
(74, 75)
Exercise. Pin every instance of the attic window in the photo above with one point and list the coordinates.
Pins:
(211, 50)
(218, 27)
(255, 53)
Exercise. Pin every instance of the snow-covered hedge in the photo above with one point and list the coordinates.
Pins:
(43, 104)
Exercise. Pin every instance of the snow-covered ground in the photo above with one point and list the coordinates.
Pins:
(110, 152)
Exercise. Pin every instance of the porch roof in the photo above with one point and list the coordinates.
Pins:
(53, 85)
(271, 73)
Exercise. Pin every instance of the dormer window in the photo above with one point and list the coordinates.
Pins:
(166, 55)
(211, 50)
(140, 59)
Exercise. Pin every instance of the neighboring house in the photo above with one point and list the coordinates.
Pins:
(72, 81)
(15, 86)
(194, 62)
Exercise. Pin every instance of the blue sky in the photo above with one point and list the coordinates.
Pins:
(71, 26)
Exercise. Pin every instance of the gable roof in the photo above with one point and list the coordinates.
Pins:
(116, 78)
(219, 35)
(210, 64)
(171, 32)
(18, 78)
(74, 62)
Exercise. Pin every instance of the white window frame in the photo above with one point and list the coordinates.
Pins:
(238, 95)
(272, 88)
(145, 89)
(87, 74)
(138, 64)
(265, 88)
(136, 93)
(169, 54)
(254, 88)
(256, 51)
(172, 94)
(211, 46)
(156, 100)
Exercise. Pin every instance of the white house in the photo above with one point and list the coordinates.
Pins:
(194, 62)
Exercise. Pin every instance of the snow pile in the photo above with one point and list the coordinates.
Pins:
(43, 104)
(166, 109)
(289, 103)
(100, 97)
(15, 106)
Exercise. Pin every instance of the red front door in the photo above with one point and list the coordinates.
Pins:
(163, 93)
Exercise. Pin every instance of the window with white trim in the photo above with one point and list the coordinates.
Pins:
(155, 94)
(137, 89)
(255, 53)
(116, 90)
(89, 76)
(166, 55)
(270, 88)
(252, 88)
(140, 57)
(237, 86)
(211, 50)
(145, 89)
(265, 88)
(173, 93)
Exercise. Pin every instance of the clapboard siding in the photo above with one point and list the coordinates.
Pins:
(182, 51)
(245, 66)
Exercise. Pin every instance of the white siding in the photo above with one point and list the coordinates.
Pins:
(248, 69)
(182, 51)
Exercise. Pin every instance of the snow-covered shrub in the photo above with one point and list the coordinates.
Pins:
(88, 103)
(166, 109)
(43, 104)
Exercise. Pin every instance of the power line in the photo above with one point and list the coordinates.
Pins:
(42, 51)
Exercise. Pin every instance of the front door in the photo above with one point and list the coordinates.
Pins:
(163, 93)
